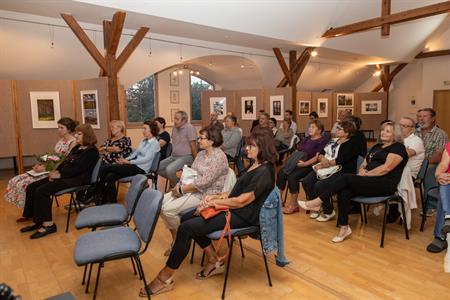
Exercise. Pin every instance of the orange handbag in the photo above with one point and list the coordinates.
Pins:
(208, 213)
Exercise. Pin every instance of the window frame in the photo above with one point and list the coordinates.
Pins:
(197, 122)
(138, 125)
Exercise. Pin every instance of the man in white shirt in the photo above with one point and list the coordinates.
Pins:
(414, 145)
(288, 116)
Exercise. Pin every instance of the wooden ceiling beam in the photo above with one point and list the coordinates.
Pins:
(85, 40)
(130, 47)
(115, 32)
(397, 70)
(283, 65)
(299, 64)
(433, 53)
(407, 15)
(385, 11)
(106, 41)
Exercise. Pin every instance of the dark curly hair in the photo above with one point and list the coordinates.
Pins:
(213, 134)
(161, 120)
(68, 123)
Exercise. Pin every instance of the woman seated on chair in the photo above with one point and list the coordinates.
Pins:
(212, 169)
(163, 137)
(310, 147)
(342, 155)
(378, 175)
(283, 139)
(15, 191)
(74, 171)
(232, 136)
(118, 145)
(139, 162)
(244, 201)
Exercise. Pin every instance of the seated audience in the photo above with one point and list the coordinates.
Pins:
(442, 225)
(308, 149)
(342, 152)
(213, 117)
(312, 116)
(359, 138)
(341, 116)
(15, 191)
(244, 202)
(378, 175)
(263, 124)
(163, 137)
(212, 168)
(139, 162)
(273, 126)
(184, 148)
(75, 170)
(232, 136)
(256, 122)
(118, 145)
(288, 117)
(283, 139)
(414, 145)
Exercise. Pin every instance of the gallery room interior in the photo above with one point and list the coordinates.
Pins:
(77, 73)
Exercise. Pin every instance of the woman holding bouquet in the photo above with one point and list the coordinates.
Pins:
(15, 192)
(75, 170)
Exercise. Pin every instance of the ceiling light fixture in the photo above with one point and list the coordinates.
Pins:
(314, 53)
(187, 68)
(377, 73)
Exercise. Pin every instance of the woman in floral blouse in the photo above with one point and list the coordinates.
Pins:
(15, 192)
(118, 145)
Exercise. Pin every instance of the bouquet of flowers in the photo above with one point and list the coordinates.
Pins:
(50, 161)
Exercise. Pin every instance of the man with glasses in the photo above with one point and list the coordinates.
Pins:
(414, 145)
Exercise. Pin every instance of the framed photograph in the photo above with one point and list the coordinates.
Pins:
(371, 107)
(173, 111)
(277, 107)
(345, 100)
(174, 97)
(174, 79)
(341, 111)
(322, 107)
(304, 107)
(248, 108)
(89, 108)
(45, 109)
(218, 105)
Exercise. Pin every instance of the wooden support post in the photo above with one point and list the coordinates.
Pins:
(15, 100)
(294, 78)
(433, 53)
(385, 10)
(397, 70)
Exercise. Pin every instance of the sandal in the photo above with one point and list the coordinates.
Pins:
(219, 268)
(305, 206)
(167, 286)
(290, 209)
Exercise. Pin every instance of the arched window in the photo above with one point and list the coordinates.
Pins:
(198, 85)
(141, 100)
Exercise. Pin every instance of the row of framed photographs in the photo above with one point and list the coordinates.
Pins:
(46, 108)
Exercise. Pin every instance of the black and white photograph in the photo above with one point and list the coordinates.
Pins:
(45, 109)
(322, 107)
(248, 108)
(304, 107)
(371, 107)
(344, 100)
(89, 108)
(218, 105)
(277, 107)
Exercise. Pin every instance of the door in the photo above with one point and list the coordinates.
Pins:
(442, 107)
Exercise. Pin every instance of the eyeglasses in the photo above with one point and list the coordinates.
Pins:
(201, 138)
(406, 126)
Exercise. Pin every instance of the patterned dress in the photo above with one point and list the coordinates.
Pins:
(124, 143)
(15, 192)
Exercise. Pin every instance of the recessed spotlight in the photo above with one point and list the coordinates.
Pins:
(377, 73)
(175, 73)
(180, 72)
(242, 66)
(197, 73)
(314, 53)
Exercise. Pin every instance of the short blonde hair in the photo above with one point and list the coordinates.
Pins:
(395, 129)
(118, 123)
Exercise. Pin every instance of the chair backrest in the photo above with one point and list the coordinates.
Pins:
(96, 171)
(138, 185)
(147, 214)
(294, 141)
(155, 163)
(422, 170)
(169, 150)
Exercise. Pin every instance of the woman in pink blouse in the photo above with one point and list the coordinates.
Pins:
(211, 165)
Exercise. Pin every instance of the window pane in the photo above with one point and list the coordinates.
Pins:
(141, 100)
(197, 86)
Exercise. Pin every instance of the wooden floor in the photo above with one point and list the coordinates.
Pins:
(355, 269)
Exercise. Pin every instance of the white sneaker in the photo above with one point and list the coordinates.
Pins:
(314, 215)
(326, 217)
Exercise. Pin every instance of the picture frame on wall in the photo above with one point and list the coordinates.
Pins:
(89, 108)
(174, 97)
(218, 105)
(45, 109)
(371, 107)
(174, 79)
(277, 107)
(304, 107)
(322, 107)
(342, 110)
(344, 100)
(248, 108)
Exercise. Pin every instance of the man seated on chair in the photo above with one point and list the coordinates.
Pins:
(232, 136)
(213, 117)
(288, 117)
(211, 166)
(244, 202)
(184, 148)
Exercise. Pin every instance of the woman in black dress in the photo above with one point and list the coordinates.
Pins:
(244, 201)
(163, 137)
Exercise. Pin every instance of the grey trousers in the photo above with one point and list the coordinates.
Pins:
(169, 166)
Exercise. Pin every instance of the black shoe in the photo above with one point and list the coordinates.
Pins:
(437, 245)
(30, 228)
(47, 230)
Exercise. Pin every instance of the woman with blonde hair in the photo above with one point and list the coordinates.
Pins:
(119, 145)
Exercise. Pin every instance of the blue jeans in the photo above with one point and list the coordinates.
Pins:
(443, 209)
(428, 182)
(169, 167)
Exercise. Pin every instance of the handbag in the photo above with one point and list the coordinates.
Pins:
(325, 173)
(210, 212)
(188, 176)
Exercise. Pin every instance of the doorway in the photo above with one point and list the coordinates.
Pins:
(441, 104)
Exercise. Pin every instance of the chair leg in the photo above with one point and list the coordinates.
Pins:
(230, 251)
(139, 263)
(405, 226)
(242, 249)
(361, 211)
(68, 214)
(89, 279)
(56, 200)
(193, 251)
(424, 208)
(383, 230)
(203, 259)
(265, 263)
(84, 274)
(134, 268)
(365, 213)
(100, 265)
(285, 196)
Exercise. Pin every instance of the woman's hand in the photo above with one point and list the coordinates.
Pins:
(176, 191)
(38, 168)
(301, 164)
(443, 178)
(122, 161)
(362, 172)
(325, 163)
(54, 175)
